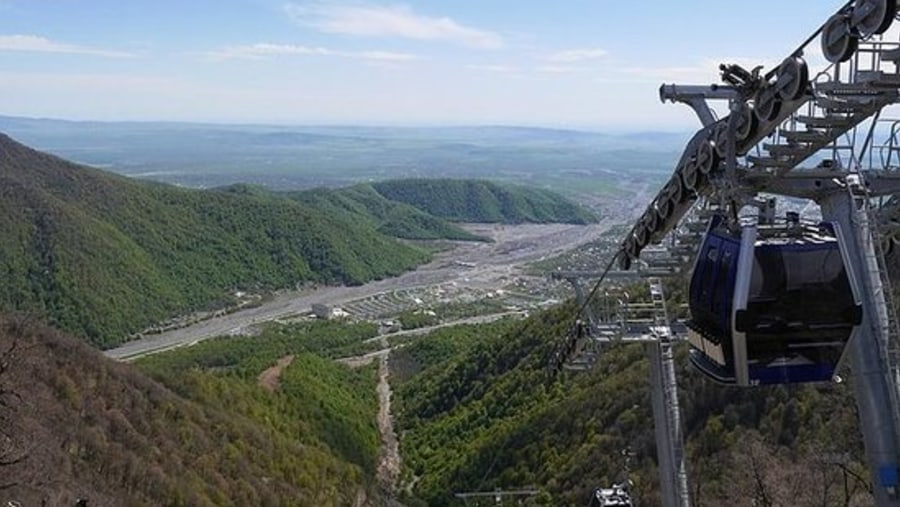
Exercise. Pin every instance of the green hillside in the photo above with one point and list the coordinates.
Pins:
(74, 424)
(478, 411)
(389, 217)
(103, 256)
(484, 201)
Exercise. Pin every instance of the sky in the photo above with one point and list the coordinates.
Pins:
(584, 64)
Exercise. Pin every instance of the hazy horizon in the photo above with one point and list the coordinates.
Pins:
(595, 129)
(207, 155)
(586, 65)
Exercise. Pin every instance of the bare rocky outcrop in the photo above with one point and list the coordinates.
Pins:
(270, 378)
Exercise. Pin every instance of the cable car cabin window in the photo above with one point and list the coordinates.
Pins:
(800, 303)
(712, 284)
(709, 270)
(724, 287)
(800, 284)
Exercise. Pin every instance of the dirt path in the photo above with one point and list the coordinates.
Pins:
(268, 379)
(389, 462)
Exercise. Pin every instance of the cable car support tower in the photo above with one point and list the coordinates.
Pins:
(820, 135)
(620, 320)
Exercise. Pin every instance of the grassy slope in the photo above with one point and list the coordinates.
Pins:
(103, 256)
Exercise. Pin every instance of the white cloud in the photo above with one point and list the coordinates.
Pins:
(34, 43)
(500, 69)
(576, 55)
(559, 69)
(389, 21)
(384, 56)
(264, 50)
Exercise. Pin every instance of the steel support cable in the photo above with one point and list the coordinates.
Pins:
(596, 287)
(560, 355)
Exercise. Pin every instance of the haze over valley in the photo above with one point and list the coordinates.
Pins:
(585, 165)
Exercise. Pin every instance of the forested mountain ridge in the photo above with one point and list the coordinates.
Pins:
(478, 409)
(421, 208)
(105, 256)
(393, 218)
(102, 255)
(75, 424)
(484, 201)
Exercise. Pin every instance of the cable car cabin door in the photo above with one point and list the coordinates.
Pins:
(711, 297)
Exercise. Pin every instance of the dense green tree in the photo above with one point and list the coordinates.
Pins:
(478, 409)
(484, 201)
(393, 218)
(82, 425)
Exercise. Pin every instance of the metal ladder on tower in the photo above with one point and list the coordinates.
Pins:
(664, 396)
(876, 356)
(843, 96)
(659, 302)
(891, 328)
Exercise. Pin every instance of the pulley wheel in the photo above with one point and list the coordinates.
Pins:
(705, 157)
(892, 13)
(873, 16)
(768, 104)
(630, 247)
(677, 192)
(889, 243)
(624, 262)
(793, 78)
(720, 138)
(747, 125)
(690, 175)
(838, 43)
(641, 235)
(887, 246)
(651, 220)
(665, 205)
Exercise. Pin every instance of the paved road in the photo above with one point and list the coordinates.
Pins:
(494, 264)
(480, 319)
(367, 358)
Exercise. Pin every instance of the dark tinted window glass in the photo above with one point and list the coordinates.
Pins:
(800, 285)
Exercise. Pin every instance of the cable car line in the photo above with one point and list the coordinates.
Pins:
(781, 299)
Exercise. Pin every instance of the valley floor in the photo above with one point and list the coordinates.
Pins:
(475, 265)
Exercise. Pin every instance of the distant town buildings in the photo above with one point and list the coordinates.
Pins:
(328, 312)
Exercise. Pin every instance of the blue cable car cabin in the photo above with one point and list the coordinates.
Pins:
(776, 309)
